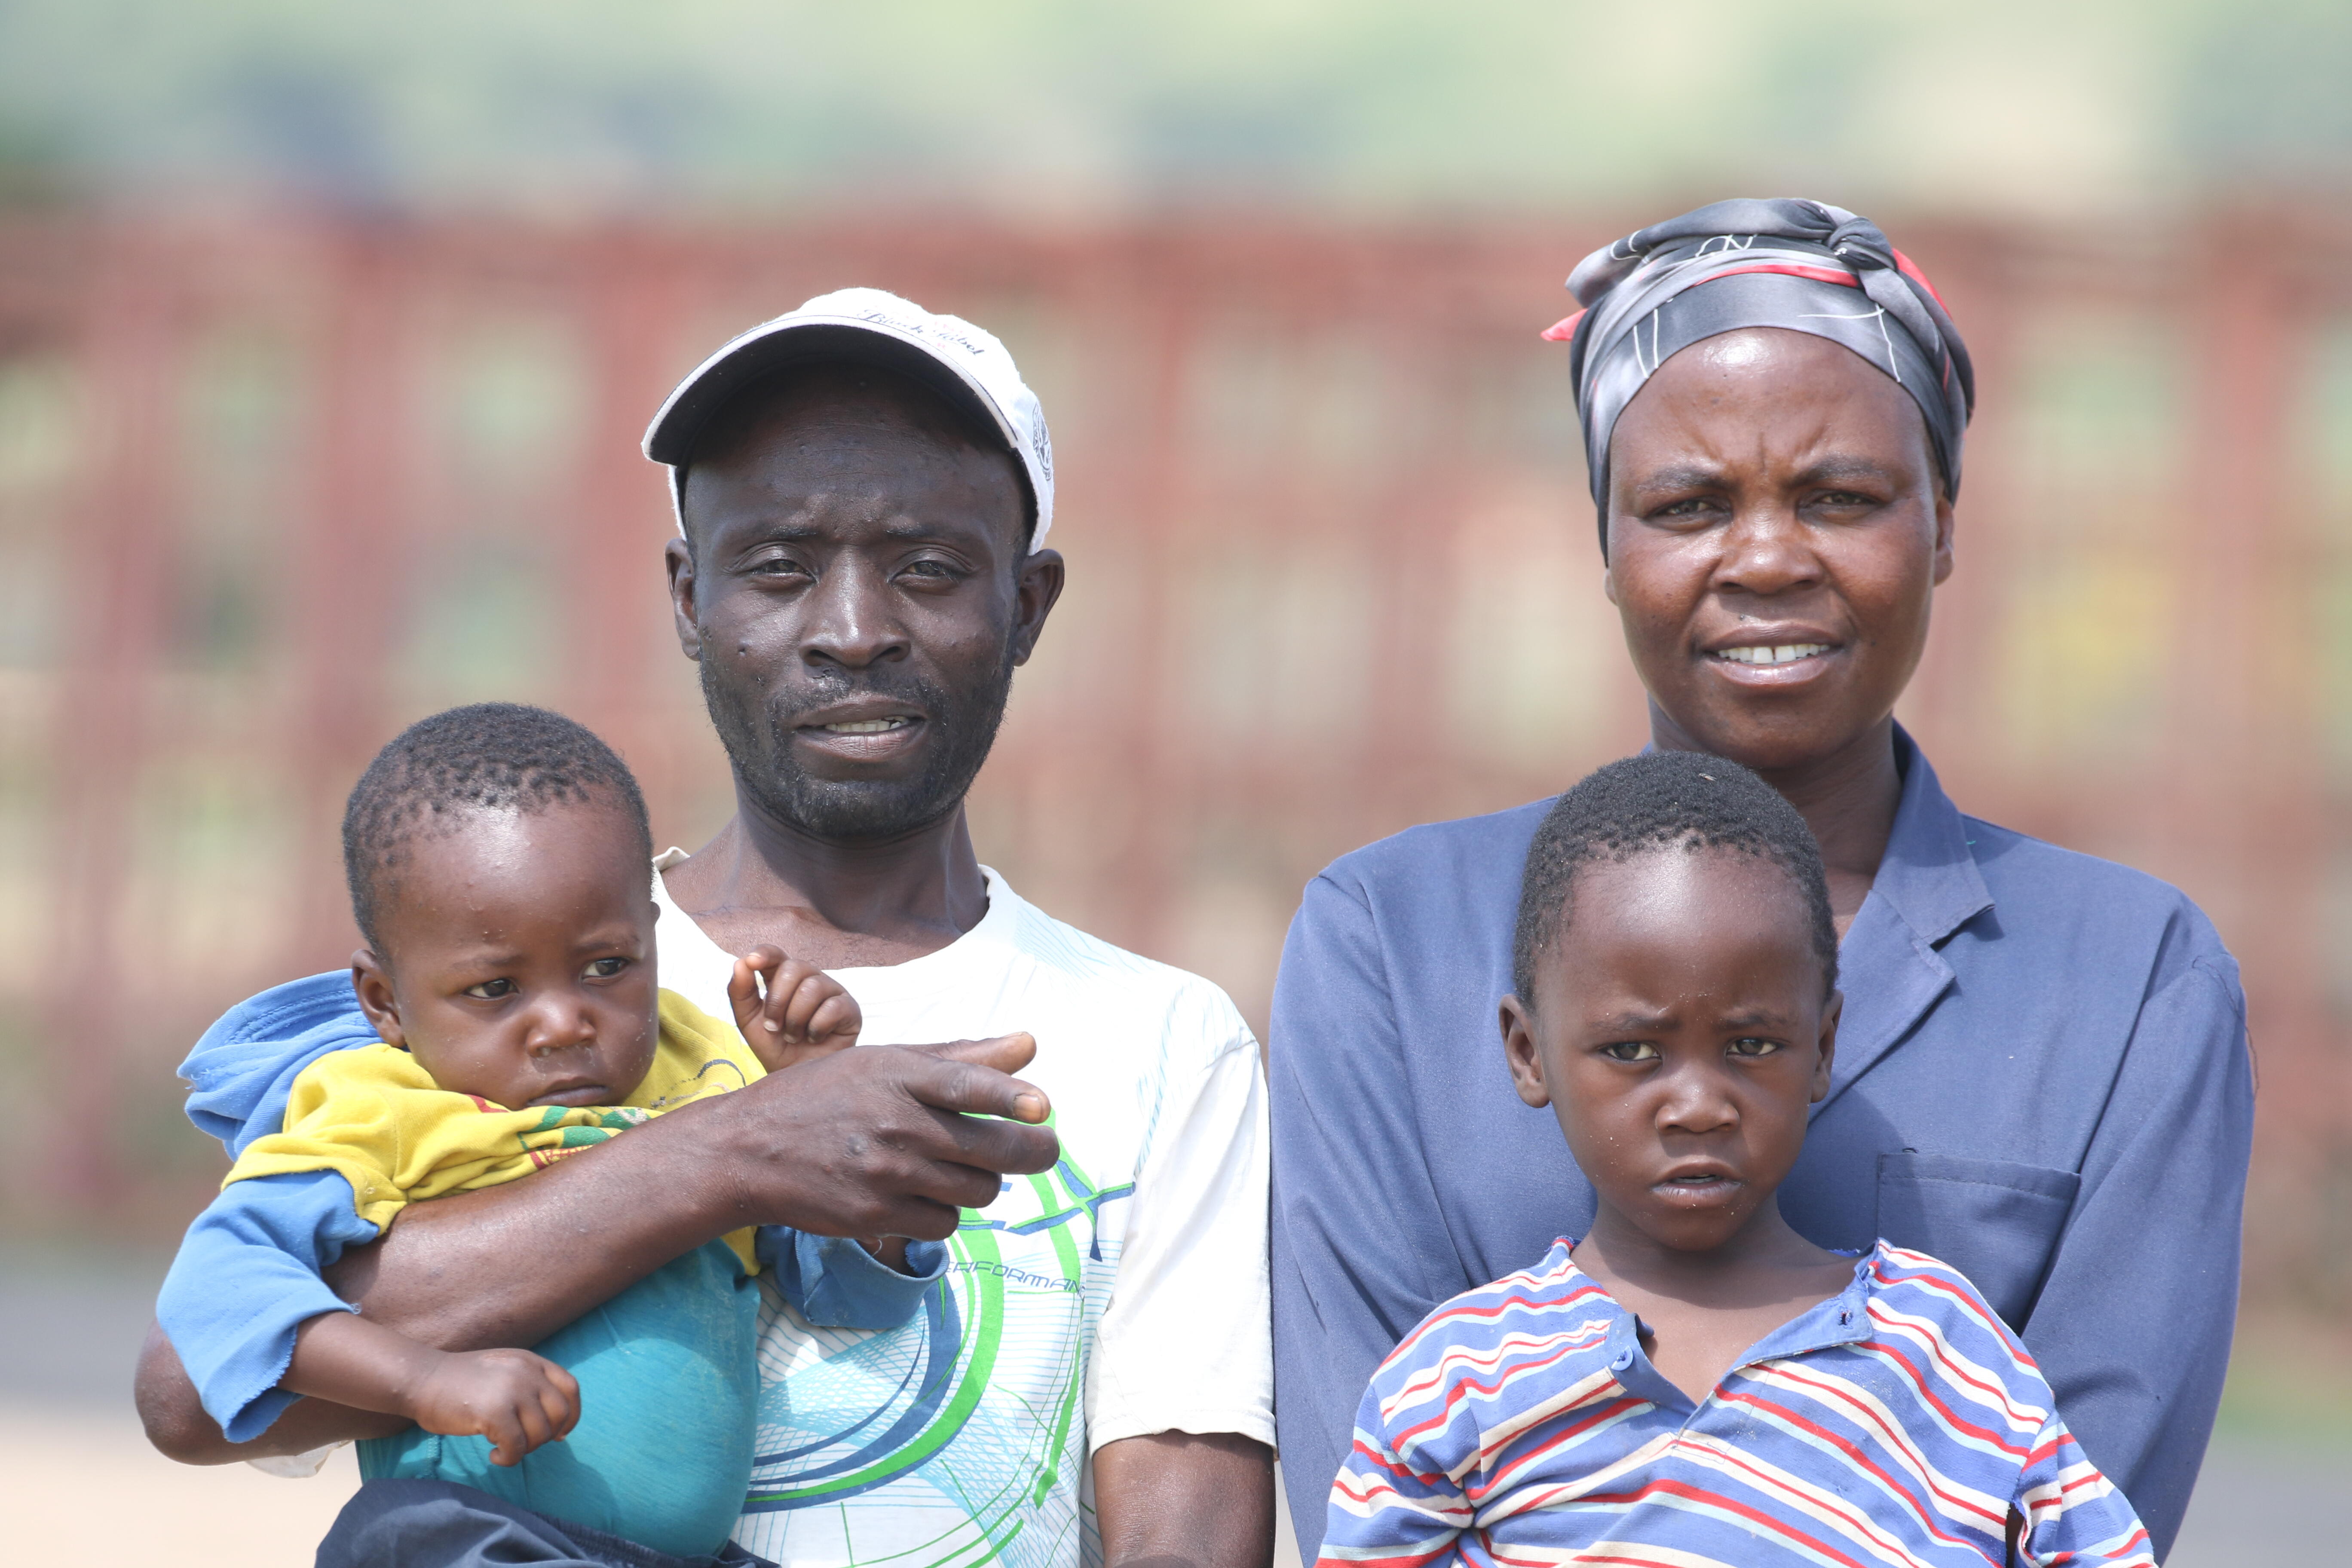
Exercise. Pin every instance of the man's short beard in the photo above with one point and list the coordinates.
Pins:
(858, 811)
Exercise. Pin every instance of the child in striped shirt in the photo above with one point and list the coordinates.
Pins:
(1693, 1383)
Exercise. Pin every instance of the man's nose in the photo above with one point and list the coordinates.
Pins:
(1765, 551)
(853, 619)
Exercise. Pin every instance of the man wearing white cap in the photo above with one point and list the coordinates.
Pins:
(864, 491)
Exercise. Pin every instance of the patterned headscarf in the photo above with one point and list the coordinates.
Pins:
(1776, 262)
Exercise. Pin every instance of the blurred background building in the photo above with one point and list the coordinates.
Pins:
(327, 334)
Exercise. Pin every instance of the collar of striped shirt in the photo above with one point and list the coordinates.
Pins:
(1898, 1422)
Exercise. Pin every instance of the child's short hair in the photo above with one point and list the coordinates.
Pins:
(1663, 800)
(490, 756)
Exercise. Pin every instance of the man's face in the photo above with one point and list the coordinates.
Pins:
(857, 597)
(1776, 533)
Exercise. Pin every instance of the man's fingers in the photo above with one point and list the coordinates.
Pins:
(972, 1077)
(1005, 1053)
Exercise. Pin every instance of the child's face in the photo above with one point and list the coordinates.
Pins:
(518, 959)
(1680, 1031)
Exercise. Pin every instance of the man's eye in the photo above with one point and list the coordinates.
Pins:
(1630, 1052)
(1752, 1045)
(930, 571)
(605, 968)
(491, 989)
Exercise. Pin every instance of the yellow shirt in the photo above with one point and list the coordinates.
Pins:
(375, 1116)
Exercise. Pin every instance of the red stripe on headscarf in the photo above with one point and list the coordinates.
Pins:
(1910, 268)
(1818, 274)
(1561, 331)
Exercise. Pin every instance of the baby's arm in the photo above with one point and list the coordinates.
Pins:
(794, 1012)
(514, 1398)
(805, 1013)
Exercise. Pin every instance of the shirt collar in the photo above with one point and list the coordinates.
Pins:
(1929, 876)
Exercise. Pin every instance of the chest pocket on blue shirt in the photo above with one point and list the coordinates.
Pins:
(1995, 1221)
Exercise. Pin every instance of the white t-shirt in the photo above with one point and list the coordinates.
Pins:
(1122, 1293)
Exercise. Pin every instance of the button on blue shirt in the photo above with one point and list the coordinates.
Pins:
(2042, 1079)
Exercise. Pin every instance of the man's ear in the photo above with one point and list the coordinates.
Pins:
(1827, 1056)
(677, 559)
(1037, 584)
(373, 982)
(1519, 1050)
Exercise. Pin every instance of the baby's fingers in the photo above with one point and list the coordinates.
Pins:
(509, 1428)
(809, 998)
(744, 987)
(836, 1020)
(560, 1398)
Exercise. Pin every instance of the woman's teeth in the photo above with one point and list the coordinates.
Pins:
(866, 726)
(1786, 652)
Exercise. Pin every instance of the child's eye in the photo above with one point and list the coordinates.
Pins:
(1631, 1052)
(605, 968)
(1749, 1045)
(491, 989)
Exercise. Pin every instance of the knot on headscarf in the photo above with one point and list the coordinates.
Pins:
(1774, 262)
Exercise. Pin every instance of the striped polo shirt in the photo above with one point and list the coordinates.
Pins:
(1899, 1422)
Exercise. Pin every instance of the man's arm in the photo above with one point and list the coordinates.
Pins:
(2132, 1327)
(1356, 1223)
(1177, 1499)
(866, 1142)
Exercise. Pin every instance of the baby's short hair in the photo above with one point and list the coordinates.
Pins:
(491, 756)
(1663, 800)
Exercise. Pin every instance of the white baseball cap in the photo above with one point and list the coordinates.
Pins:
(960, 361)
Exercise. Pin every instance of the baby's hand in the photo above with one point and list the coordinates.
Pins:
(805, 1014)
(514, 1398)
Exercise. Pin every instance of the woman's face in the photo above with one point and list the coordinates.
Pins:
(1776, 533)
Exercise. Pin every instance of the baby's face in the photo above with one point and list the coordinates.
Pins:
(1680, 1033)
(518, 960)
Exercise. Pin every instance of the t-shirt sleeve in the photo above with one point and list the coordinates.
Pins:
(247, 1277)
(2071, 1514)
(1396, 1503)
(1184, 1346)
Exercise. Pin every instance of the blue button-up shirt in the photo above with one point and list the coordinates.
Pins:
(2042, 1079)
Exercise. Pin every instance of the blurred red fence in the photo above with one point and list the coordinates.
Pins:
(269, 489)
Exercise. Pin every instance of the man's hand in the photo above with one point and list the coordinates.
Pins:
(884, 1140)
(790, 1011)
(514, 1398)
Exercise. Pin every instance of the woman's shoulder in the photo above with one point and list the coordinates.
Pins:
(2038, 885)
(1478, 849)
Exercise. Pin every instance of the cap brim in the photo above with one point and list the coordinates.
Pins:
(764, 352)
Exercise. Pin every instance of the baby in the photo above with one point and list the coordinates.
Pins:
(498, 863)
(1693, 1383)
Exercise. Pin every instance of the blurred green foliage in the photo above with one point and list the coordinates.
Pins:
(1353, 105)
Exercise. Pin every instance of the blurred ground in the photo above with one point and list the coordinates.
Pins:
(76, 1472)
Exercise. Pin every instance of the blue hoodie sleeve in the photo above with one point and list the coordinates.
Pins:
(241, 1073)
(835, 1283)
(247, 1276)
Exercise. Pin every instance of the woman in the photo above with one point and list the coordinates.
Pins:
(2041, 1073)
